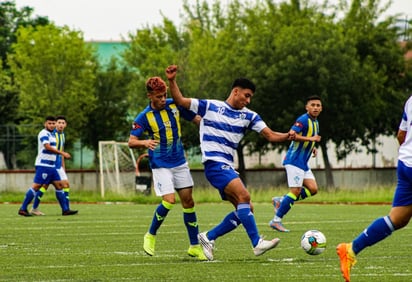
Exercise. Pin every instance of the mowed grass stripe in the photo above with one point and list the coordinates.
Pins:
(104, 243)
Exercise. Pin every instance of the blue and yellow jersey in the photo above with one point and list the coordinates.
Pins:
(60, 140)
(299, 153)
(163, 125)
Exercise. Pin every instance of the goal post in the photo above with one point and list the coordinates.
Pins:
(117, 167)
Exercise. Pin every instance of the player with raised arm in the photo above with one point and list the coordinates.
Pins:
(401, 211)
(223, 125)
(158, 129)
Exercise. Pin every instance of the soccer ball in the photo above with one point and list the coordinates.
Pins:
(313, 242)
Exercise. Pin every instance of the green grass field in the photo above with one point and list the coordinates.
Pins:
(104, 243)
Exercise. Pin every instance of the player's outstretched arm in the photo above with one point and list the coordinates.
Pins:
(177, 96)
(274, 136)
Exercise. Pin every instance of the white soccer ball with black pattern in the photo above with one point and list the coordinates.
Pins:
(313, 242)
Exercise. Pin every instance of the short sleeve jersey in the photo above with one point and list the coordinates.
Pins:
(164, 126)
(45, 157)
(222, 128)
(405, 150)
(299, 153)
(60, 140)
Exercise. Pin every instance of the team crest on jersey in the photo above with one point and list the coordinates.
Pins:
(44, 175)
(298, 124)
(225, 167)
(242, 116)
(135, 126)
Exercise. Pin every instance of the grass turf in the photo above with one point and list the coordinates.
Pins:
(104, 243)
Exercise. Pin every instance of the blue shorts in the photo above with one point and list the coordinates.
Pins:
(46, 175)
(403, 192)
(219, 175)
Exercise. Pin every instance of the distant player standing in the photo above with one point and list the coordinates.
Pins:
(301, 181)
(45, 164)
(62, 194)
(222, 127)
(401, 211)
(158, 129)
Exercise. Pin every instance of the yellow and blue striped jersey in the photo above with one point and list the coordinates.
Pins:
(163, 125)
(299, 153)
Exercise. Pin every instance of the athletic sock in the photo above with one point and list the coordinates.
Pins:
(37, 198)
(248, 220)
(377, 231)
(286, 204)
(304, 193)
(229, 223)
(66, 195)
(61, 199)
(190, 220)
(160, 214)
(28, 198)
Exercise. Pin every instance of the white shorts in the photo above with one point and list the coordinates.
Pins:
(296, 175)
(62, 173)
(166, 180)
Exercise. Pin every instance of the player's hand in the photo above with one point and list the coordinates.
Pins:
(316, 138)
(291, 135)
(66, 155)
(171, 72)
(151, 144)
(314, 152)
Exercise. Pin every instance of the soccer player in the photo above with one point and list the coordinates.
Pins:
(160, 122)
(222, 127)
(45, 164)
(301, 181)
(61, 186)
(401, 210)
(62, 194)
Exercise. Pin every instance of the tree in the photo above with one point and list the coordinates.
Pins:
(54, 71)
(10, 20)
(112, 91)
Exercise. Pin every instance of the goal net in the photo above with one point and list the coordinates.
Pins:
(118, 165)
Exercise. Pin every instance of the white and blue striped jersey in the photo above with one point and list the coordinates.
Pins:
(45, 157)
(405, 150)
(222, 128)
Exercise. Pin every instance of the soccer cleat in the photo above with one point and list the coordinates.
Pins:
(276, 201)
(149, 242)
(207, 245)
(24, 213)
(197, 252)
(69, 212)
(264, 245)
(277, 225)
(347, 260)
(36, 212)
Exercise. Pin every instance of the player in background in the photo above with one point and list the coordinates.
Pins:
(301, 181)
(62, 185)
(61, 124)
(222, 127)
(158, 129)
(45, 164)
(401, 210)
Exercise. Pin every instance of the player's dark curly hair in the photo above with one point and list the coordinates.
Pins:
(244, 83)
(155, 85)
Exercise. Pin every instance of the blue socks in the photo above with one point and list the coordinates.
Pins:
(160, 214)
(28, 198)
(61, 198)
(190, 220)
(377, 231)
(229, 223)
